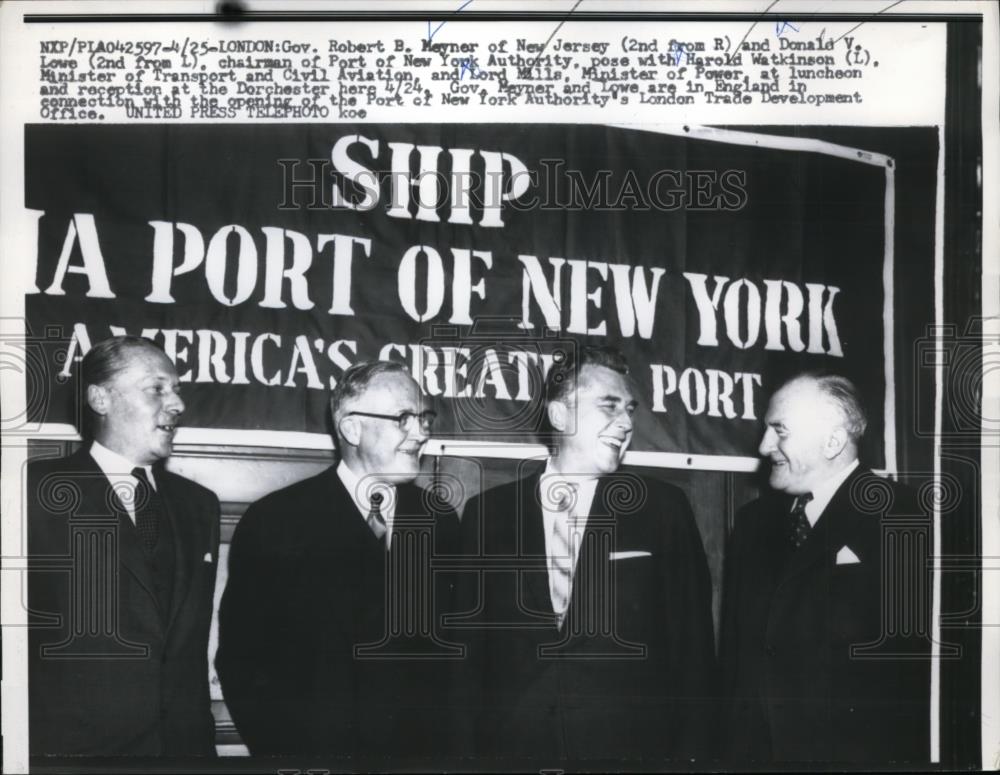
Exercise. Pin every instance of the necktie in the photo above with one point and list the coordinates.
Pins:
(375, 519)
(147, 510)
(562, 556)
(800, 526)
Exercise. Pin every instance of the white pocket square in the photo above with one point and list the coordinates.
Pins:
(626, 555)
(847, 557)
(207, 557)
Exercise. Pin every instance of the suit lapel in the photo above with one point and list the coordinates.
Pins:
(184, 542)
(834, 524)
(531, 536)
(410, 512)
(845, 520)
(599, 518)
(410, 506)
(361, 562)
(592, 556)
(130, 554)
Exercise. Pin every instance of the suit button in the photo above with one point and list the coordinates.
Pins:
(771, 651)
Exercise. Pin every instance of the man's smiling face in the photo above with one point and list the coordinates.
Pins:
(799, 424)
(140, 406)
(599, 430)
(385, 450)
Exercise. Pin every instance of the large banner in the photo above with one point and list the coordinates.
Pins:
(266, 259)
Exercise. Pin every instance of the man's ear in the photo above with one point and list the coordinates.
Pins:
(97, 399)
(558, 415)
(350, 430)
(835, 443)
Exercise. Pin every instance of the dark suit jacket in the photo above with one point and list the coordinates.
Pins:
(628, 678)
(109, 672)
(307, 584)
(790, 618)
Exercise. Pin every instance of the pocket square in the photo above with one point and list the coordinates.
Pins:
(626, 555)
(207, 557)
(847, 557)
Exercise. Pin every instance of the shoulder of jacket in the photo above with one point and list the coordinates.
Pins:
(190, 487)
(41, 466)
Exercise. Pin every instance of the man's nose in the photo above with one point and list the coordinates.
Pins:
(625, 421)
(767, 443)
(418, 431)
(175, 404)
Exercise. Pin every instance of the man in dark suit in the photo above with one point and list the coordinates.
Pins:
(122, 560)
(590, 624)
(327, 629)
(824, 641)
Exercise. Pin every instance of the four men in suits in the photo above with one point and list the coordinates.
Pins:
(328, 641)
(589, 609)
(122, 565)
(824, 638)
(586, 597)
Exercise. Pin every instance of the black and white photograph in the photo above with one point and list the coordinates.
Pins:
(499, 387)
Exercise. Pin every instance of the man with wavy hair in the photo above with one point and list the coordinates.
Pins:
(592, 633)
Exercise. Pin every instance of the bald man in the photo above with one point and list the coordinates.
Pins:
(809, 671)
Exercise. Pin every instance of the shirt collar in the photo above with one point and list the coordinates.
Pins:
(114, 465)
(360, 489)
(585, 486)
(550, 470)
(824, 493)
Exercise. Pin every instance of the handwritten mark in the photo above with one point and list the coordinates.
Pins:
(468, 65)
(430, 34)
(891, 5)
(676, 51)
(750, 28)
(558, 27)
(780, 27)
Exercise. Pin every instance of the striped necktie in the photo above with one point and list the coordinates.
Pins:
(561, 579)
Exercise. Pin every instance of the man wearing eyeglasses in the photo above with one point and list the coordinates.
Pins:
(327, 628)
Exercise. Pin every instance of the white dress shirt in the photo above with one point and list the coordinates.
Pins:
(119, 473)
(552, 486)
(361, 492)
(823, 494)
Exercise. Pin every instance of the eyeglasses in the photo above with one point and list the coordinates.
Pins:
(405, 420)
